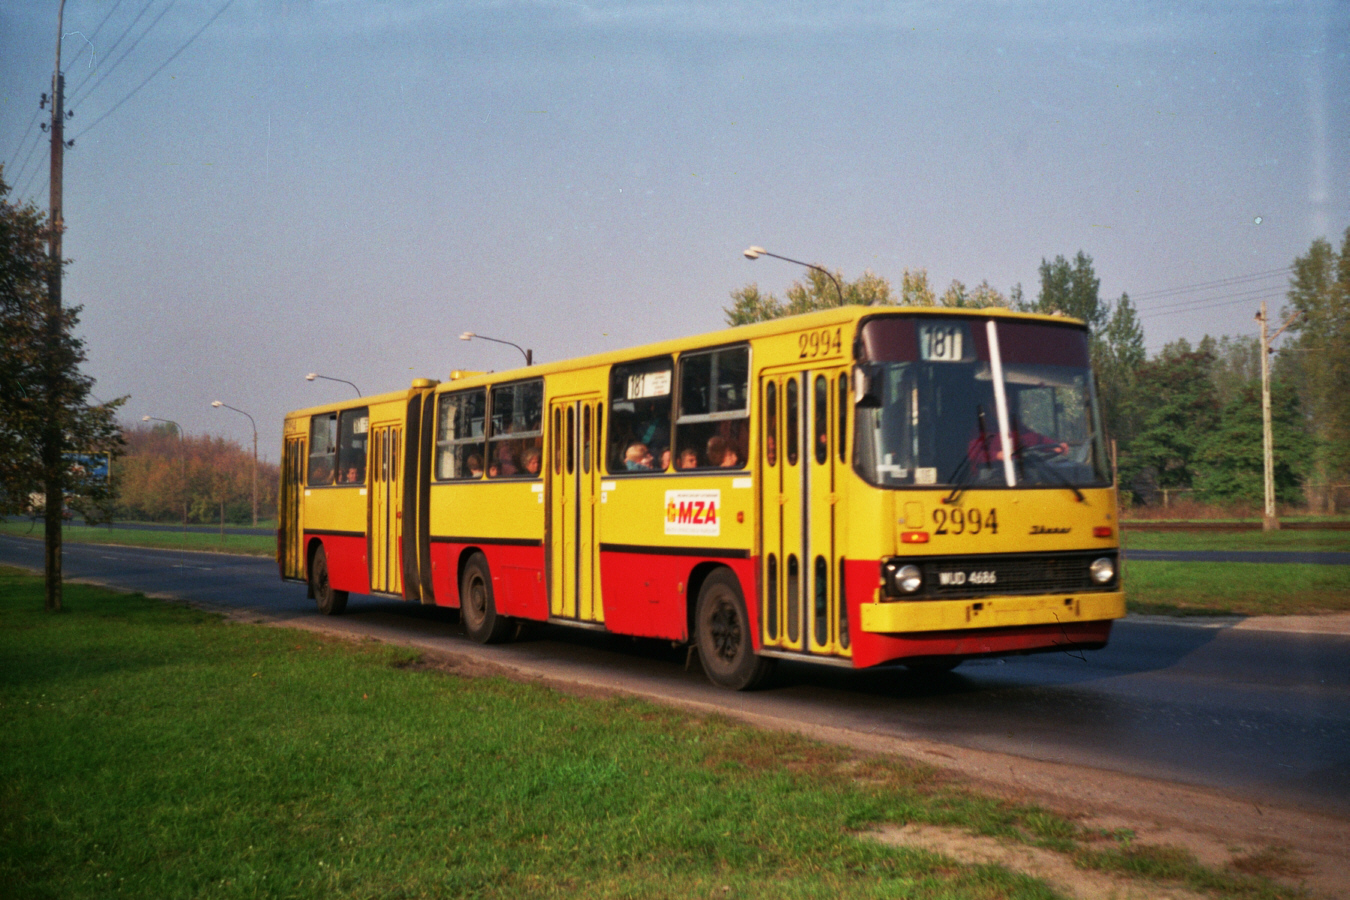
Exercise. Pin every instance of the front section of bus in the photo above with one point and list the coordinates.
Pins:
(978, 438)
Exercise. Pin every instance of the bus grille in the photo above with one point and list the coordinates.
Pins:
(1001, 574)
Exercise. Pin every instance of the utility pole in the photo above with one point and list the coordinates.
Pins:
(1269, 521)
(52, 438)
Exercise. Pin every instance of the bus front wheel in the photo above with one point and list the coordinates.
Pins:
(722, 632)
(477, 608)
(331, 602)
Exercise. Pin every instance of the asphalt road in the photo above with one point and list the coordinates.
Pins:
(1255, 714)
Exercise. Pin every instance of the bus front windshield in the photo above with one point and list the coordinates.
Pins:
(964, 401)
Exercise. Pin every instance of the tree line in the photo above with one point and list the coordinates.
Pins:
(166, 476)
(1187, 418)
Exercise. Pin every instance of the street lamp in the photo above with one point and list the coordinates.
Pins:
(218, 405)
(182, 452)
(757, 252)
(311, 376)
(529, 354)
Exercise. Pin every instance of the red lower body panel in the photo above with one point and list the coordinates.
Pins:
(647, 594)
(348, 568)
(517, 577)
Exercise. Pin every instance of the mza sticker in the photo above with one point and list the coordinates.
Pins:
(693, 512)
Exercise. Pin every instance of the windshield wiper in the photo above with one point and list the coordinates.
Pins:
(963, 474)
(1044, 467)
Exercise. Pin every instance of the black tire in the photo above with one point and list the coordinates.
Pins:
(722, 634)
(330, 602)
(477, 609)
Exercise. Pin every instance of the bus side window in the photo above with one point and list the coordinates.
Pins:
(713, 425)
(459, 434)
(516, 441)
(793, 433)
(771, 423)
(843, 417)
(639, 419)
(353, 430)
(322, 449)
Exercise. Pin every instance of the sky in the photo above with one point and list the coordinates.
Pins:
(260, 189)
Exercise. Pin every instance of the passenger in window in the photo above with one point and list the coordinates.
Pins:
(716, 450)
(474, 465)
(532, 462)
(353, 477)
(731, 459)
(637, 458)
(506, 461)
(688, 459)
(320, 473)
(665, 459)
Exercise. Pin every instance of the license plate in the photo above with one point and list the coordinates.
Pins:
(963, 577)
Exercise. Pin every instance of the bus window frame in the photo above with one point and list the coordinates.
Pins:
(346, 443)
(453, 444)
(331, 440)
(614, 456)
(743, 415)
(490, 432)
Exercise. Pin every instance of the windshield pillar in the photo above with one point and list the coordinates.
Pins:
(1001, 404)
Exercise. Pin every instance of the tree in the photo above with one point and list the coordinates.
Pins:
(1237, 365)
(1229, 459)
(1319, 290)
(45, 419)
(1071, 289)
(1175, 406)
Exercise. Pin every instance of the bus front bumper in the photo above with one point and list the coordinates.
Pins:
(901, 616)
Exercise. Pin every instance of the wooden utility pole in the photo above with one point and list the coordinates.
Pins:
(1269, 521)
(52, 437)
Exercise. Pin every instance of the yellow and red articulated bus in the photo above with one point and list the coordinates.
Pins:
(858, 486)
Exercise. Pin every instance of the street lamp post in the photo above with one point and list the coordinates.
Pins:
(182, 453)
(218, 405)
(528, 354)
(757, 252)
(312, 375)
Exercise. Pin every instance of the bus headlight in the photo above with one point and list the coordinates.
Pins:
(1102, 570)
(908, 579)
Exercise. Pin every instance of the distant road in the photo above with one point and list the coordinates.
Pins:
(193, 529)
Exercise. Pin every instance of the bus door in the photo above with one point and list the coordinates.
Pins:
(801, 553)
(573, 491)
(386, 508)
(825, 408)
(290, 539)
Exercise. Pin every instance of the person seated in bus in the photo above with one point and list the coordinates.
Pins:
(474, 466)
(731, 459)
(320, 472)
(637, 458)
(353, 476)
(688, 459)
(986, 448)
(532, 462)
(506, 461)
(665, 460)
(715, 450)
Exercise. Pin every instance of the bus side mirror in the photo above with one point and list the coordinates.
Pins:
(867, 386)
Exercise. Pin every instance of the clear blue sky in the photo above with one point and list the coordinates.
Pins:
(345, 186)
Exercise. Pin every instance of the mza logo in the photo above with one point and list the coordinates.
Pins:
(693, 512)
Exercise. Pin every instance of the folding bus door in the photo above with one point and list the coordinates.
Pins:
(573, 489)
(290, 538)
(386, 508)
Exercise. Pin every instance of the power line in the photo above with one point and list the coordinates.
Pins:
(134, 44)
(1205, 305)
(27, 131)
(89, 41)
(1191, 304)
(1204, 285)
(224, 6)
(19, 173)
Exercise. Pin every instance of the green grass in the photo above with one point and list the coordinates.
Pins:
(151, 750)
(1250, 589)
(1235, 540)
(247, 544)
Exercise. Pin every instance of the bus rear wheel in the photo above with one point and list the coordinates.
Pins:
(722, 633)
(477, 609)
(330, 602)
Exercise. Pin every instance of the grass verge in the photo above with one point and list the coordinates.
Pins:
(247, 544)
(151, 750)
(1248, 589)
(1236, 540)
